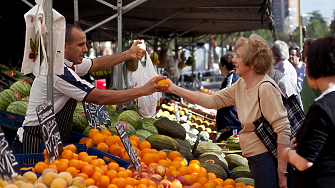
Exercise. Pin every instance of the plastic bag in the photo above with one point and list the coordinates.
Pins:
(146, 106)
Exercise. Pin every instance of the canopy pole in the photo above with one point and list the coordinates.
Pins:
(49, 41)
(119, 47)
(76, 13)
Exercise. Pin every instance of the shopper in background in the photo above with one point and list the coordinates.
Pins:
(312, 152)
(295, 60)
(70, 88)
(227, 122)
(253, 59)
(308, 94)
(280, 55)
(87, 76)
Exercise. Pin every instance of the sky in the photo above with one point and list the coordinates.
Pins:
(326, 7)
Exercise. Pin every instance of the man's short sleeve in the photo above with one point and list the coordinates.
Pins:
(84, 67)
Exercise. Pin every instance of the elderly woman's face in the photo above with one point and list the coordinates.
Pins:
(241, 68)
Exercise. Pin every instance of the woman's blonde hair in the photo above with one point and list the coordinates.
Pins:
(257, 53)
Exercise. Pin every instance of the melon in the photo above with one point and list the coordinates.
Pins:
(149, 127)
(18, 107)
(110, 109)
(130, 130)
(79, 122)
(142, 134)
(8, 96)
(132, 118)
(233, 143)
(22, 87)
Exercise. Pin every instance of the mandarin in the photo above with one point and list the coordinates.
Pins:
(92, 132)
(144, 144)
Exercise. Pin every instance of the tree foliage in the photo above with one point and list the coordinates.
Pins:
(318, 26)
(332, 24)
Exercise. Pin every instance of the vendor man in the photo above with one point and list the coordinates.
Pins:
(70, 88)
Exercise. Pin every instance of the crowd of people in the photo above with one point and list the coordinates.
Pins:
(256, 78)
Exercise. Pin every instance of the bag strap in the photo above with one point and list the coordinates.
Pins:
(259, 101)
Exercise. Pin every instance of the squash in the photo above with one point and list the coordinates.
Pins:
(235, 160)
(160, 142)
(205, 147)
(170, 128)
(215, 160)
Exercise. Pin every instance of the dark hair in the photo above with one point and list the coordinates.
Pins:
(88, 36)
(227, 60)
(296, 48)
(321, 58)
(68, 32)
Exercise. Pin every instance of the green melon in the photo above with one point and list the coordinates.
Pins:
(150, 120)
(150, 127)
(8, 96)
(22, 87)
(160, 142)
(110, 109)
(130, 130)
(131, 117)
(79, 122)
(142, 134)
(18, 107)
(233, 143)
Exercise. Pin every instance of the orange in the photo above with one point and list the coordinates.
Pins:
(144, 181)
(202, 169)
(126, 157)
(181, 160)
(73, 171)
(113, 166)
(131, 181)
(39, 167)
(106, 132)
(89, 142)
(202, 180)
(163, 163)
(98, 138)
(95, 163)
(228, 186)
(115, 150)
(87, 169)
(142, 186)
(102, 162)
(174, 154)
(75, 156)
(229, 182)
(240, 185)
(134, 143)
(209, 185)
(211, 175)
(153, 165)
(112, 174)
(122, 174)
(183, 170)
(197, 184)
(176, 164)
(104, 181)
(148, 158)
(249, 186)
(96, 176)
(87, 159)
(62, 166)
(74, 163)
(67, 154)
(121, 182)
(193, 168)
(83, 175)
(92, 132)
(162, 155)
(202, 174)
(112, 186)
(145, 151)
(156, 157)
(82, 140)
(144, 144)
(219, 181)
(194, 161)
(89, 181)
(110, 140)
(136, 139)
(129, 172)
(107, 159)
(118, 140)
(163, 82)
(53, 166)
(175, 173)
(71, 147)
(103, 147)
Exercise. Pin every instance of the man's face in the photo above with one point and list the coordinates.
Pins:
(294, 59)
(75, 50)
(89, 44)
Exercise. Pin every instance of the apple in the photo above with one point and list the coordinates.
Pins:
(182, 180)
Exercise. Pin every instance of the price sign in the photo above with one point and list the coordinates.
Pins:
(96, 115)
(9, 168)
(176, 110)
(120, 128)
(195, 146)
(50, 132)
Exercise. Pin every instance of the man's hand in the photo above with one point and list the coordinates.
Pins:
(136, 52)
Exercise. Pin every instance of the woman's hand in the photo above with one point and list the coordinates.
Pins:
(293, 143)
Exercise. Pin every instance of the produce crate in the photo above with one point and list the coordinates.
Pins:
(75, 137)
(101, 154)
(80, 147)
(21, 157)
(11, 120)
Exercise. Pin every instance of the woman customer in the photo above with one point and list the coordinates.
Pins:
(312, 152)
(253, 59)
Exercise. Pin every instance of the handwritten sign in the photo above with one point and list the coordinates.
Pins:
(195, 146)
(120, 128)
(96, 115)
(176, 110)
(50, 132)
(9, 168)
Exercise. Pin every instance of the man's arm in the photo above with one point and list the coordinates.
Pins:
(106, 62)
(108, 97)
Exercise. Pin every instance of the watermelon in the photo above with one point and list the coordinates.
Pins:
(79, 122)
(132, 118)
(88, 128)
(130, 130)
(150, 120)
(143, 134)
(8, 96)
(18, 107)
(110, 109)
(22, 87)
(233, 143)
(149, 127)
(4, 68)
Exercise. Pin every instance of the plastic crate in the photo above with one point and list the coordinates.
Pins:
(80, 147)
(11, 120)
(75, 137)
(101, 154)
(21, 157)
